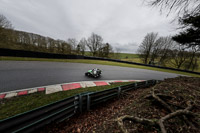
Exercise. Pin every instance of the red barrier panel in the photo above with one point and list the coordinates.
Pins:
(2, 96)
(71, 86)
(22, 93)
(41, 89)
(99, 83)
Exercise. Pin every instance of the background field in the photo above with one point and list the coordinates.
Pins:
(135, 58)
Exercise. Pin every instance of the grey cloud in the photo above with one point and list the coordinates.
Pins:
(126, 48)
(119, 22)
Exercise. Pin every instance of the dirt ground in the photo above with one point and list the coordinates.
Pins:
(103, 118)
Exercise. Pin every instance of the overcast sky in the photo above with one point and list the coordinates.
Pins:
(122, 23)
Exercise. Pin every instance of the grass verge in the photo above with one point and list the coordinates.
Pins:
(20, 104)
(168, 64)
(175, 92)
(95, 62)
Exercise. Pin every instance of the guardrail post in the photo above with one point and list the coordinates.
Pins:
(80, 103)
(118, 91)
(135, 85)
(75, 108)
(88, 102)
(146, 83)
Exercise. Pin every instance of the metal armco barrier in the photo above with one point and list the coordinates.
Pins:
(34, 119)
(64, 109)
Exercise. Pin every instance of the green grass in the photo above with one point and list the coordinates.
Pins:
(135, 58)
(20, 104)
(120, 55)
(97, 62)
(138, 60)
(88, 53)
(128, 56)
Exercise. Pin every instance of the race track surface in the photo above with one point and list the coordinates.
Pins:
(16, 75)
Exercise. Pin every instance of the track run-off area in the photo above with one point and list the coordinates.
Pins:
(16, 75)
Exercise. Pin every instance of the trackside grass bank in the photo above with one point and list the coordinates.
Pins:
(95, 62)
(175, 93)
(20, 104)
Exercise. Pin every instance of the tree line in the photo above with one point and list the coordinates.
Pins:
(180, 50)
(13, 39)
(163, 51)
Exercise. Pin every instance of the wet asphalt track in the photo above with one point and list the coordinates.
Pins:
(16, 75)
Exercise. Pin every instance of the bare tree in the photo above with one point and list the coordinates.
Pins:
(105, 50)
(73, 42)
(180, 6)
(191, 63)
(146, 47)
(82, 46)
(94, 43)
(4, 22)
(156, 49)
(62, 47)
(166, 47)
(5, 30)
(179, 56)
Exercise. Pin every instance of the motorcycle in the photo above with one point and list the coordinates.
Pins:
(95, 73)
